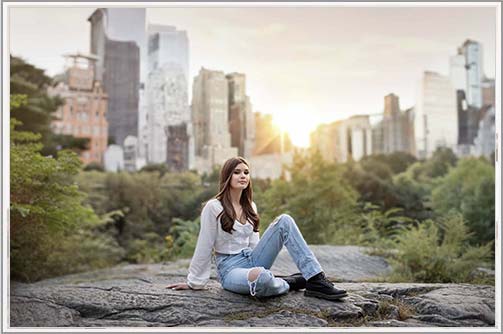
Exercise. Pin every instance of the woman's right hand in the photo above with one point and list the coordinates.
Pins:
(179, 286)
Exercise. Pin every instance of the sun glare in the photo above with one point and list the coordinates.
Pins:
(298, 125)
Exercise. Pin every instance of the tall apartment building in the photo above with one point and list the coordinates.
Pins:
(83, 114)
(327, 141)
(436, 116)
(355, 135)
(118, 39)
(210, 118)
(349, 139)
(167, 98)
(395, 132)
(241, 118)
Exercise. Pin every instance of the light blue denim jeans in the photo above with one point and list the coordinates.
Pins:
(233, 269)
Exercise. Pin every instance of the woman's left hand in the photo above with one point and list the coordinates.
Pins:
(179, 286)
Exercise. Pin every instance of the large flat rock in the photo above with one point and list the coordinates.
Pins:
(146, 302)
(341, 263)
(135, 296)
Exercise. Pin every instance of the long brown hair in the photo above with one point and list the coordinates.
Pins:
(228, 215)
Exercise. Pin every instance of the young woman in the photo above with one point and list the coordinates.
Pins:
(230, 225)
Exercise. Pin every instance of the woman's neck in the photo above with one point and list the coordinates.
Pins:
(236, 196)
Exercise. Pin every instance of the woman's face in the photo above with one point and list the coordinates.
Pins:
(240, 177)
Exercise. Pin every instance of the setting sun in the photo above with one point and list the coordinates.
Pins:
(298, 124)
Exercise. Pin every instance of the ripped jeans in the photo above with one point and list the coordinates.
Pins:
(233, 269)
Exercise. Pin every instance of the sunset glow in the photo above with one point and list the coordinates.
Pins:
(298, 123)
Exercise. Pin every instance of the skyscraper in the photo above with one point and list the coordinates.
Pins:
(167, 94)
(210, 117)
(349, 139)
(394, 133)
(436, 116)
(355, 137)
(472, 51)
(473, 92)
(118, 39)
(241, 118)
(327, 141)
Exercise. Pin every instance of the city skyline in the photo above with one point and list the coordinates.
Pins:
(308, 75)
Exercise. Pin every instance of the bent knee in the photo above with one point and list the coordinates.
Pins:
(254, 273)
(286, 219)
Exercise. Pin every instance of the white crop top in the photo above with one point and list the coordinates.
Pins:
(211, 236)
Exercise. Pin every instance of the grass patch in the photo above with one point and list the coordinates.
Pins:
(394, 309)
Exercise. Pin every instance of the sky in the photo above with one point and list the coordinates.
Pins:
(304, 65)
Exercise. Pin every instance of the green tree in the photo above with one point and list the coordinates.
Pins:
(37, 113)
(160, 168)
(372, 181)
(469, 189)
(397, 162)
(439, 164)
(149, 204)
(49, 226)
(318, 197)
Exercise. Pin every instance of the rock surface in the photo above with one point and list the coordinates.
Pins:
(341, 263)
(135, 296)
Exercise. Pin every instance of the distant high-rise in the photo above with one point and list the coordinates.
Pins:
(436, 116)
(355, 134)
(457, 71)
(395, 132)
(468, 123)
(178, 147)
(210, 118)
(327, 141)
(472, 51)
(241, 118)
(485, 142)
(349, 139)
(83, 114)
(167, 94)
(118, 39)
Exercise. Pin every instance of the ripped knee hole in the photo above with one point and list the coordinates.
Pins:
(254, 273)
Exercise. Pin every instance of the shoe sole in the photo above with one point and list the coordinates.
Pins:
(317, 294)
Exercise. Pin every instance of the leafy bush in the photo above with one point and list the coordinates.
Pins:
(380, 230)
(437, 252)
(182, 238)
(151, 248)
(469, 189)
